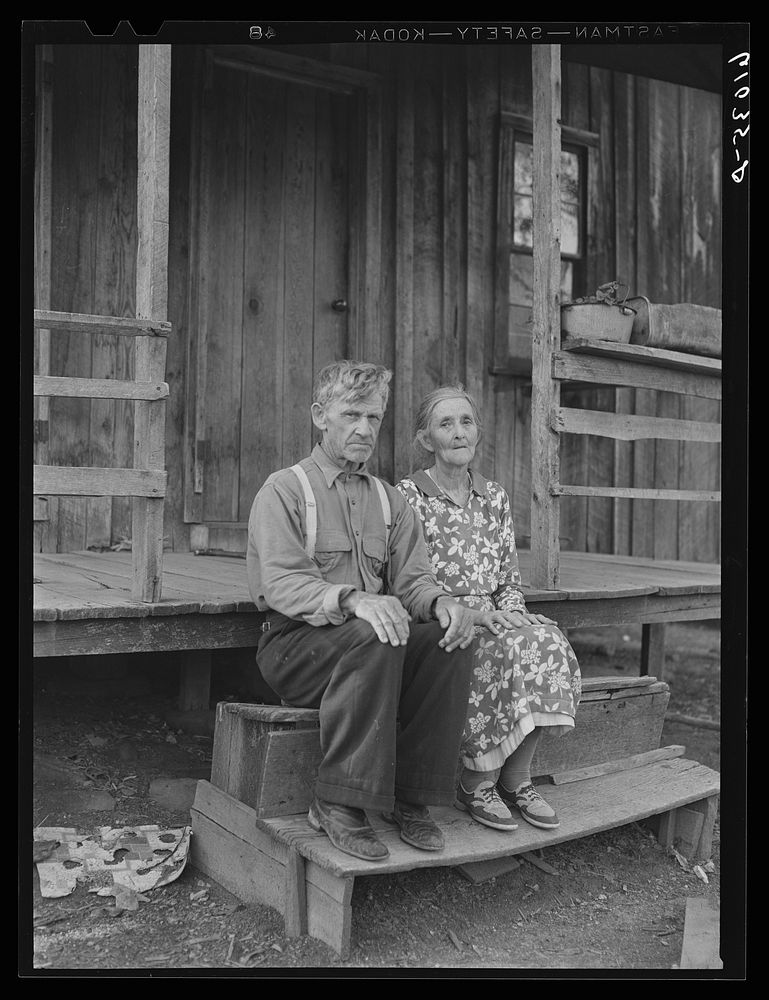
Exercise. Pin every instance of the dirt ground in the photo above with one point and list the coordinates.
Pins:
(108, 751)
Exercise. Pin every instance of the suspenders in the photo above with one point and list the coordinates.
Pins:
(386, 511)
(311, 510)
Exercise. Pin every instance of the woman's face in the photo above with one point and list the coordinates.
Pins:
(452, 433)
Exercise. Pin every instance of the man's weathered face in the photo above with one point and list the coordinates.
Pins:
(350, 426)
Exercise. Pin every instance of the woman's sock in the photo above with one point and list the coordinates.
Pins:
(470, 780)
(516, 770)
(515, 773)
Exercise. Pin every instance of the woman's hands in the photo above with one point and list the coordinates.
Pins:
(495, 621)
(390, 620)
(500, 621)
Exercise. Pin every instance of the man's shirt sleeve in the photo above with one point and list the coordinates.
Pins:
(281, 575)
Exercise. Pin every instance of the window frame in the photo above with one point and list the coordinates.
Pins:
(512, 127)
(523, 137)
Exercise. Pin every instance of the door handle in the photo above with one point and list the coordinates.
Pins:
(339, 305)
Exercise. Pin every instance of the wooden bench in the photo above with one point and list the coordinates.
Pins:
(250, 830)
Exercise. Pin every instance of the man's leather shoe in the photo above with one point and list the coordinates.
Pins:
(347, 829)
(416, 827)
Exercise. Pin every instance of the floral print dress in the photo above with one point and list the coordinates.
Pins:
(523, 678)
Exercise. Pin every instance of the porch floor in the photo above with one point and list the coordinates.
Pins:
(83, 604)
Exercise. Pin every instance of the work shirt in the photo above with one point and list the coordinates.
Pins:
(350, 549)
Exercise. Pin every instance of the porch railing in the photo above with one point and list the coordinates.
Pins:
(146, 481)
(587, 361)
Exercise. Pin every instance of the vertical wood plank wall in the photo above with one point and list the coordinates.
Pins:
(93, 270)
(655, 182)
(184, 62)
(699, 463)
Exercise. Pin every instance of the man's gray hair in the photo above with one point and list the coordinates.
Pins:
(350, 379)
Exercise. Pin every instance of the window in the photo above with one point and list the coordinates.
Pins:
(514, 297)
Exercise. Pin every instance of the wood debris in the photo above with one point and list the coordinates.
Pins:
(538, 862)
(455, 941)
(679, 858)
(246, 958)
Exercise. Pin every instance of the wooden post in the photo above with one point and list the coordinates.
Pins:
(545, 394)
(43, 195)
(329, 908)
(698, 838)
(295, 913)
(404, 269)
(653, 650)
(688, 831)
(690, 828)
(151, 303)
(666, 829)
(195, 681)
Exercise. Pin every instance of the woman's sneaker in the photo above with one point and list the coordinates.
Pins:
(531, 806)
(485, 806)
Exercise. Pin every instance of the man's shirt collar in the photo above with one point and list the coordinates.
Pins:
(330, 470)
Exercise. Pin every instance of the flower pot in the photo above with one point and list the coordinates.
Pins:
(597, 321)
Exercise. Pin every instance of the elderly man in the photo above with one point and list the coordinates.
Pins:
(358, 627)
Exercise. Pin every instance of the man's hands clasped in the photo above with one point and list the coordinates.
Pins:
(386, 615)
(459, 622)
(390, 620)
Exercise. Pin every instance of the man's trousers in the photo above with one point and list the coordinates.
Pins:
(391, 717)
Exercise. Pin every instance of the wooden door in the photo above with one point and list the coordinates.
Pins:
(270, 278)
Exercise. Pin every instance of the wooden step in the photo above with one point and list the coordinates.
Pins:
(584, 807)
(283, 863)
(268, 755)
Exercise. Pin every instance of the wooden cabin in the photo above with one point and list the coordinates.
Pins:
(296, 204)
(213, 223)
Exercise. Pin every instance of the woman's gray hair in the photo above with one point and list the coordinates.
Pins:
(350, 379)
(425, 412)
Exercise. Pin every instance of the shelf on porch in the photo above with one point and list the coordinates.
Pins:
(656, 356)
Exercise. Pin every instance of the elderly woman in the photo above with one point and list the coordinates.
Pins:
(526, 676)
